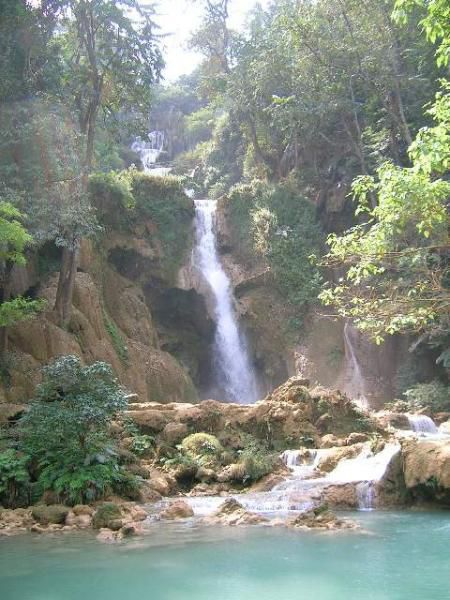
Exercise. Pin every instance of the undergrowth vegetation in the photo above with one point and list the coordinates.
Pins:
(64, 444)
(279, 224)
(156, 206)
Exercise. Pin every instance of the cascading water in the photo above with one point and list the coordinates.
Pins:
(422, 424)
(306, 485)
(150, 151)
(235, 376)
(354, 380)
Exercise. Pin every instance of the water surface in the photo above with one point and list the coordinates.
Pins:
(405, 557)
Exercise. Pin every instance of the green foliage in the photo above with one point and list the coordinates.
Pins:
(65, 432)
(163, 201)
(256, 460)
(141, 445)
(198, 445)
(106, 513)
(127, 199)
(76, 483)
(279, 224)
(435, 23)
(14, 478)
(434, 395)
(116, 337)
(20, 309)
(397, 273)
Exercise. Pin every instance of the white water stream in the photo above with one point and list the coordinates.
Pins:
(422, 424)
(354, 382)
(233, 369)
(306, 485)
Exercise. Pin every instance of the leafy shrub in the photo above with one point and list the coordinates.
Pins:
(142, 444)
(434, 395)
(256, 460)
(199, 445)
(281, 225)
(14, 478)
(66, 432)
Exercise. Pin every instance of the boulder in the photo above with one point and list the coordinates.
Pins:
(427, 463)
(392, 419)
(174, 433)
(160, 484)
(341, 496)
(82, 521)
(106, 536)
(232, 513)
(333, 456)
(177, 510)
(52, 514)
(108, 516)
(357, 438)
(319, 518)
(329, 440)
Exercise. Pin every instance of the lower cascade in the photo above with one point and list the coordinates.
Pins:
(235, 377)
(306, 485)
(422, 424)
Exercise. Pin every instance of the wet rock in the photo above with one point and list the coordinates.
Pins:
(357, 438)
(108, 516)
(177, 510)
(83, 509)
(148, 495)
(343, 496)
(54, 513)
(206, 489)
(333, 456)
(82, 521)
(160, 484)
(106, 536)
(329, 440)
(391, 419)
(267, 483)
(320, 517)
(232, 513)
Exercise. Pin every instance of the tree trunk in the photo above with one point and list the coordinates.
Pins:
(64, 293)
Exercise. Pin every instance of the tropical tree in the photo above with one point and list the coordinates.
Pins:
(398, 271)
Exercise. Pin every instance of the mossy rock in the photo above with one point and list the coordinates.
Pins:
(202, 444)
(54, 514)
(106, 515)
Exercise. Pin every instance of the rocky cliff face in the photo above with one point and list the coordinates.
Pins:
(316, 348)
(115, 316)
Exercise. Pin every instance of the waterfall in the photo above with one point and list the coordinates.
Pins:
(365, 492)
(354, 379)
(150, 151)
(422, 424)
(235, 376)
(365, 467)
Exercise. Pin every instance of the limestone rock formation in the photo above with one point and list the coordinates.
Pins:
(426, 465)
